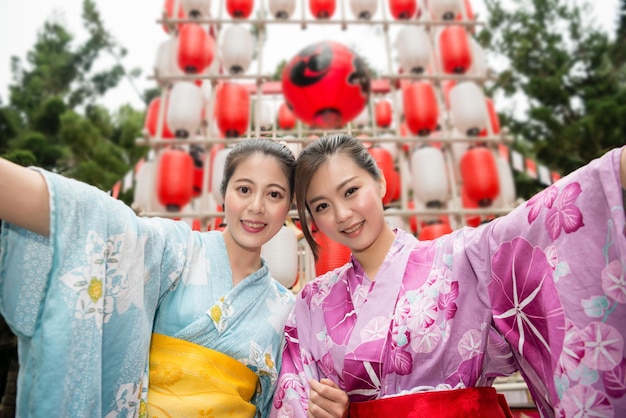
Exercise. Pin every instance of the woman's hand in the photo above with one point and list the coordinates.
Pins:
(327, 400)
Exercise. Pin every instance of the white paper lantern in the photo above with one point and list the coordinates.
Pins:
(145, 192)
(469, 111)
(479, 59)
(282, 9)
(414, 49)
(395, 220)
(445, 9)
(506, 197)
(294, 146)
(363, 9)
(184, 111)
(197, 9)
(165, 64)
(217, 174)
(237, 49)
(266, 116)
(430, 179)
(281, 254)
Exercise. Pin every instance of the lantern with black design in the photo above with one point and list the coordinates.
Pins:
(326, 85)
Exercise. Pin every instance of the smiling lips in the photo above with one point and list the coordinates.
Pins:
(253, 225)
(353, 228)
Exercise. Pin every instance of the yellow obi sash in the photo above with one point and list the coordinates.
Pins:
(188, 380)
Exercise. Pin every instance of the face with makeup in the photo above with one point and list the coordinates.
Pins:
(255, 206)
(345, 202)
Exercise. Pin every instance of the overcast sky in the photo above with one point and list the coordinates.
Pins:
(133, 24)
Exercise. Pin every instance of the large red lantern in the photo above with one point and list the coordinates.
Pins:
(152, 120)
(239, 9)
(421, 111)
(326, 84)
(384, 161)
(480, 175)
(455, 50)
(232, 109)
(175, 179)
(286, 118)
(383, 113)
(403, 9)
(195, 48)
(322, 9)
(331, 254)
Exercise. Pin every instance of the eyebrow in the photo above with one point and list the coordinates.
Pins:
(339, 187)
(246, 180)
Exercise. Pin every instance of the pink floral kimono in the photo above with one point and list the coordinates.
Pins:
(541, 290)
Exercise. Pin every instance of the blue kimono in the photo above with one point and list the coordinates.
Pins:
(85, 301)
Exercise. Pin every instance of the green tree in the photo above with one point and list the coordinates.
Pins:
(570, 74)
(53, 118)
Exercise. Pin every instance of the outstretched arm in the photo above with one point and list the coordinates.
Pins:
(24, 198)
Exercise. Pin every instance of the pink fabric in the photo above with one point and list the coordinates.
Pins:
(541, 290)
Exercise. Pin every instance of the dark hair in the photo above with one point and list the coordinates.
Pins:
(266, 146)
(312, 157)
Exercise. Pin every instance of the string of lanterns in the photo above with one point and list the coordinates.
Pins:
(427, 123)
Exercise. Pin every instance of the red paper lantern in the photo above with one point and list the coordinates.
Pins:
(421, 111)
(168, 8)
(480, 175)
(198, 155)
(322, 9)
(493, 116)
(383, 113)
(152, 120)
(286, 118)
(434, 230)
(239, 9)
(471, 220)
(195, 48)
(326, 85)
(331, 254)
(384, 161)
(232, 109)
(175, 179)
(455, 50)
(403, 9)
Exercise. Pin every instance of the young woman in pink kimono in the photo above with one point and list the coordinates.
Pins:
(541, 290)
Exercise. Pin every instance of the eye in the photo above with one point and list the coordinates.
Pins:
(276, 194)
(321, 207)
(243, 189)
(351, 190)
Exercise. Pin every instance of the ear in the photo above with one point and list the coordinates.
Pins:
(383, 184)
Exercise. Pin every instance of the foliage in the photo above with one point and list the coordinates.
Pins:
(53, 119)
(569, 73)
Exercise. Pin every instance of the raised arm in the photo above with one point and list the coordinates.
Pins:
(24, 198)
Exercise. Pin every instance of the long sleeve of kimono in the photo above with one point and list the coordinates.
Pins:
(82, 301)
(292, 392)
(557, 287)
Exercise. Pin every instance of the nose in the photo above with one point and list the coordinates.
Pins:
(256, 204)
(342, 213)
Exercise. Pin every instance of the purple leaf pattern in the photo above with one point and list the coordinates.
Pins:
(615, 380)
(564, 215)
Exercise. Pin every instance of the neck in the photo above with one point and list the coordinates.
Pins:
(373, 256)
(243, 261)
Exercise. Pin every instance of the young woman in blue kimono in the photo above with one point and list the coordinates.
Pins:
(118, 315)
(541, 290)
